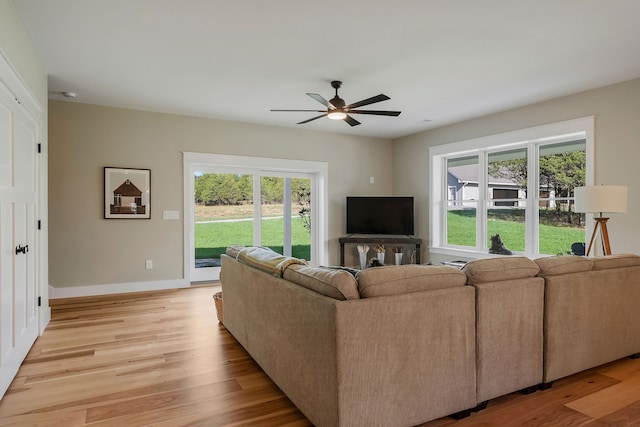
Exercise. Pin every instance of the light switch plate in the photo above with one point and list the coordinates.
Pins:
(171, 215)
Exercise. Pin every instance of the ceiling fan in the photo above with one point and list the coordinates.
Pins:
(337, 110)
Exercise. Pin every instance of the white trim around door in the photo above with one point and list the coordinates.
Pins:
(318, 171)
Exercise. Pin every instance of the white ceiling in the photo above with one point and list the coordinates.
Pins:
(440, 61)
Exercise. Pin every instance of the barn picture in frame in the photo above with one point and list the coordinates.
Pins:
(127, 193)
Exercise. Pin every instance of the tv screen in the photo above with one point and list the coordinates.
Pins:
(380, 215)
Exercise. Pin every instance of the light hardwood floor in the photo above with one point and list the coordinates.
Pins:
(161, 359)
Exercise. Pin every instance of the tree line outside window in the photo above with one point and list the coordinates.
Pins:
(224, 189)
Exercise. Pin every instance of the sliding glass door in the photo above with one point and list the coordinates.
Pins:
(285, 214)
(244, 206)
(223, 216)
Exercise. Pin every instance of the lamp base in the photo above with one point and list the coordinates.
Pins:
(602, 223)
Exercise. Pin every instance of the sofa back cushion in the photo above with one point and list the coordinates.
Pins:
(615, 261)
(334, 283)
(499, 269)
(563, 264)
(267, 260)
(390, 280)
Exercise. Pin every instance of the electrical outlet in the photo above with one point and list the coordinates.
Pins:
(149, 264)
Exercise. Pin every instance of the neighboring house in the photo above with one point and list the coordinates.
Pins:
(462, 182)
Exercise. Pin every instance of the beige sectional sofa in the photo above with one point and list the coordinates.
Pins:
(400, 355)
(402, 345)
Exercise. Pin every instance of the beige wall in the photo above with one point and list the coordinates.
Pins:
(617, 150)
(86, 249)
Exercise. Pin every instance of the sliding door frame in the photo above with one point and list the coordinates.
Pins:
(258, 166)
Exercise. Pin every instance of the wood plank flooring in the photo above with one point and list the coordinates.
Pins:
(161, 359)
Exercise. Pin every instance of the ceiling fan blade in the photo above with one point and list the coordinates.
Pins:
(312, 119)
(321, 100)
(351, 121)
(368, 101)
(305, 111)
(376, 112)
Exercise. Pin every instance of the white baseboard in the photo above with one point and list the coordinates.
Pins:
(115, 288)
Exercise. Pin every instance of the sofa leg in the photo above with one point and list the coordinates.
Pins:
(546, 386)
(462, 414)
(531, 389)
(481, 406)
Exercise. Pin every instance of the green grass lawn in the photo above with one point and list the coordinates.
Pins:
(553, 239)
(212, 238)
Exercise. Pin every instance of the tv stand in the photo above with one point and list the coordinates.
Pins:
(379, 239)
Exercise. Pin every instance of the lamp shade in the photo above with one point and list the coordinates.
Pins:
(601, 198)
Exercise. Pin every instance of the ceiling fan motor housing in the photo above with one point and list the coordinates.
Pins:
(337, 102)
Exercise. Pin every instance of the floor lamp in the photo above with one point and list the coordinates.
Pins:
(601, 199)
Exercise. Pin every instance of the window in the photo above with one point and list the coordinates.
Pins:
(518, 185)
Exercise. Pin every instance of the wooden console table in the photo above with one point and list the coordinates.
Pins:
(379, 239)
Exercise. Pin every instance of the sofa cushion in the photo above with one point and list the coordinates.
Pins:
(563, 264)
(401, 279)
(352, 271)
(234, 250)
(334, 283)
(615, 261)
(267, 260)
(499, 269)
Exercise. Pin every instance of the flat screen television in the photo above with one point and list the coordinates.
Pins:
(380, 215)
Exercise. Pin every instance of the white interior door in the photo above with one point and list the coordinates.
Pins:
(18, 219)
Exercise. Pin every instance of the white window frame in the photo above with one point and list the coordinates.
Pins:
(532, 139)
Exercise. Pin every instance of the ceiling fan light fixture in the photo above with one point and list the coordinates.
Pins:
(337, 115)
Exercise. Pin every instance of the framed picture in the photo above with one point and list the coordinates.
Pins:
(127, 193)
